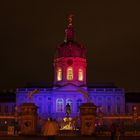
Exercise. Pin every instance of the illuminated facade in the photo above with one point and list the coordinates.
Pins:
(70, 78)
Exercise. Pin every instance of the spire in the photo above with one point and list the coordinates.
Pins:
(70, 20)
(69, 31)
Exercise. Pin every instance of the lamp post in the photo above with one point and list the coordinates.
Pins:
(16, 123)
(135, 117)
(100, 114)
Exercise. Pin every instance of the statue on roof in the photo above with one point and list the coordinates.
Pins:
(68, 109)
(70, 19)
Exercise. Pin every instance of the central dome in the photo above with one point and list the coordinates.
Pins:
(70, 48)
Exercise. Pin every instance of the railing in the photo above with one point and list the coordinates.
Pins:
(92, 89)
(31, 89)
(128, 124)
(7, 114)
(106, 90)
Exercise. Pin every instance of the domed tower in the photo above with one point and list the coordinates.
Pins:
(70, 60)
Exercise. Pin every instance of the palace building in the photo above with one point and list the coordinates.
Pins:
(70, 84)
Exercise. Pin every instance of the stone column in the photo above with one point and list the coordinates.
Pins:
(28, 119)
(87, 118)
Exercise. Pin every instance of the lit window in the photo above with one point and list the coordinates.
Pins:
(59, 105)
(69, 73)
(80, 75)
(59, 74)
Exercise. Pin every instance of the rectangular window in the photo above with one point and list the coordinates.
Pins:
(49, 108)
(118, 109)
(126, 109)
(39, 108)
(80, 75)
(6, 109)
(13, 108)
(69, 73)
(109, 109)
(59, 105)
(59, 74)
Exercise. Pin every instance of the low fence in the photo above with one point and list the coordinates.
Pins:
(125, 124)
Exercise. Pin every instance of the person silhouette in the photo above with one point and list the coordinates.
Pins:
(113, 131)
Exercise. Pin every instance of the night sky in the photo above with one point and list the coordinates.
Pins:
(30, 31)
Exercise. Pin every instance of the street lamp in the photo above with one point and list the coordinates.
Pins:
(135, 117)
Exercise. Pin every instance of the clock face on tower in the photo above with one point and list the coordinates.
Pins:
(69, 62)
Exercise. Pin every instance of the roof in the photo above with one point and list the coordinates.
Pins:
(132, 97)
(102, 85)
(7, 96)
(70, 49)
(38, 85)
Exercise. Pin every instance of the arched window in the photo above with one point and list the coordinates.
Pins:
(69, 73)
(79, 102)
(109, 107)
(69, 101)
(80, 75)
(59, 105)
(59, 74)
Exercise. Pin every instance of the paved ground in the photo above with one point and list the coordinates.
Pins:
(65, 138)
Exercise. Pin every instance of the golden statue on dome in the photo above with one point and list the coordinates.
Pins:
(69, 34)
(70, 19)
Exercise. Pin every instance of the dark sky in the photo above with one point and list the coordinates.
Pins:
(30, 31)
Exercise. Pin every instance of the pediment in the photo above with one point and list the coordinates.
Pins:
(68, 87)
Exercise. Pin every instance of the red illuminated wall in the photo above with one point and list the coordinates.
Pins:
(76, 63)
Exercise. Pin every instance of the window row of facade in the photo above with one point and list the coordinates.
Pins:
(69, 74)
(7, 109)
(108, 107)
(60, 104)
(107, 100)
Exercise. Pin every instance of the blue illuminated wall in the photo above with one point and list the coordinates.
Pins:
(52, 102)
